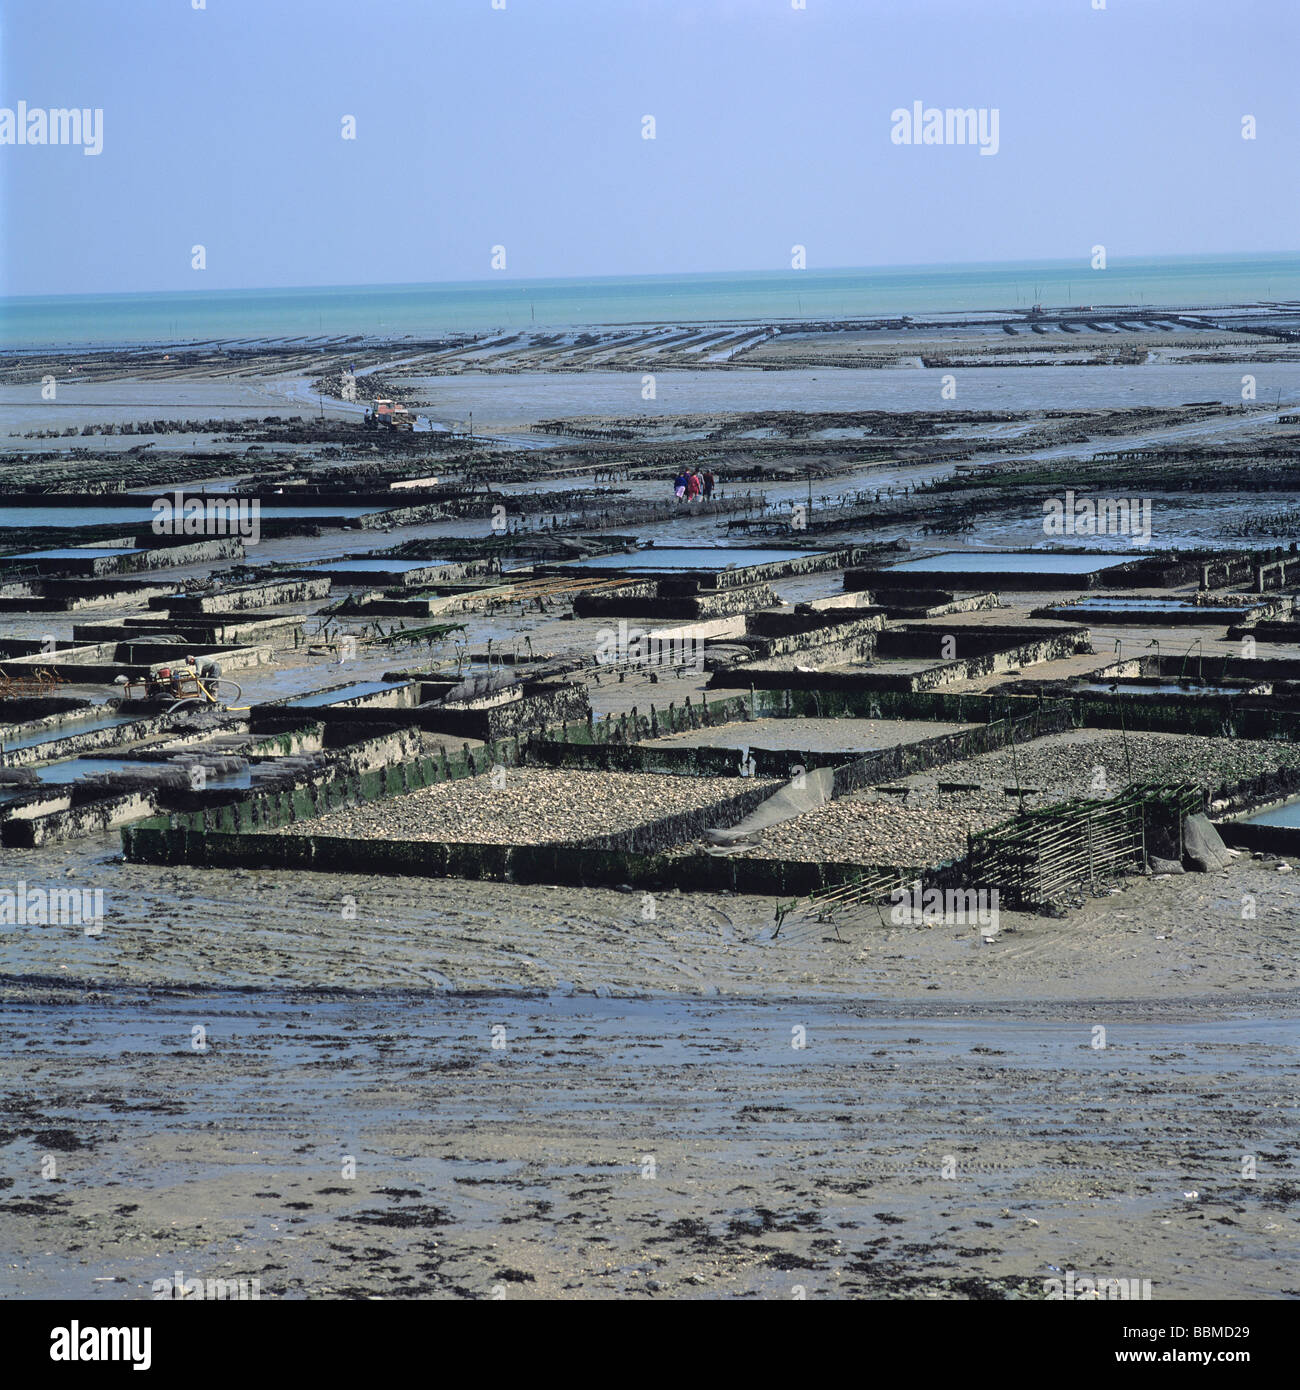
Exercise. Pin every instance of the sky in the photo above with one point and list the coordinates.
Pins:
(522, 127)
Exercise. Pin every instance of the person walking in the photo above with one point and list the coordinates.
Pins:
(709, 480)
(679, 486)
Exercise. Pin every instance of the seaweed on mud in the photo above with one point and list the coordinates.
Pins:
(784, 1259)
(689, 1228)
(983, 1290)
(58, 1140)
(764, 1220)
(36, 1205)
(408, 1216)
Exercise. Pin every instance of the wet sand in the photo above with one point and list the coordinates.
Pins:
(647, 1127)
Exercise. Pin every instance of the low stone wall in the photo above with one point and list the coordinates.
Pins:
(240, 598)
(898, 611)
(89, 739)
(434, 573)
(839, 639)
(1053, 648)
(656, 603)
(192, 553)
(30, 714)
(1267, 839)
(1252, 793)
(541, 706)
(74, 595)
(209, 632)
(1266, 630)
(1123, 574)
(852, 772)
(1064, 643)
(23, 831)
(814, 562)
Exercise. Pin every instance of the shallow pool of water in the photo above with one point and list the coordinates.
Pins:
(394, 565)
(71, 726)
(1010, 561)
(73, 769)
(87, 552)
(137, 517)
(1153, 605)
(348, 692)
(689, 558)
(1162, 688)
(1286, 814)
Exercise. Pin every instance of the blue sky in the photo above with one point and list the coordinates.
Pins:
(523, 127)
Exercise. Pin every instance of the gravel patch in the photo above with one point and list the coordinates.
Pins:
(528, 807)
(928, 826)
(878, 828)
(1065, 765)
(811, 735)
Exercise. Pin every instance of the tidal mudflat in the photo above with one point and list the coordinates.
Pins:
(543, 1093)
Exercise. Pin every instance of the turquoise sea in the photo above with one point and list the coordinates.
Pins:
(394, 311)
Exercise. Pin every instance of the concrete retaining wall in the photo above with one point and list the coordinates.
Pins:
(240, 598)
(89, 739)
(655, 602)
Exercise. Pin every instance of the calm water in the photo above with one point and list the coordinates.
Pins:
(1144, 605)
(349, 692)
(1160, 688)
(1286, 814)
(994, 561)
(394, 566)
(86, 552)
(59, 774)
(688, 558)
(482, 306)
(1163, 606)
(102, 720)
(12, 515)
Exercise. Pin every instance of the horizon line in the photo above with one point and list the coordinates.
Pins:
(547, 280)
